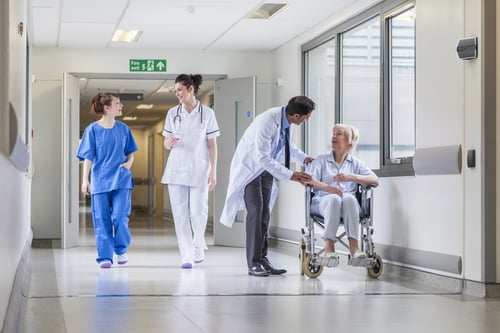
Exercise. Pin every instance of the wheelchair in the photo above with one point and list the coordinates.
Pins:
(312, 263)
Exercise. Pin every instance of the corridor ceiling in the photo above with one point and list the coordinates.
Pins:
(211, 25)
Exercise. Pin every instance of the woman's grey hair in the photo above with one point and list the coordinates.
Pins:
(351, 133)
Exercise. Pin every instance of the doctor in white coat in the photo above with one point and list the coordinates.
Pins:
(256, 162)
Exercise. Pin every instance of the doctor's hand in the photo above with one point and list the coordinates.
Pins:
(301, 177)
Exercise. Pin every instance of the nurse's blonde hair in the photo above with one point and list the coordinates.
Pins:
(351, 133)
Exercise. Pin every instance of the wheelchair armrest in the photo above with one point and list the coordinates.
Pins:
(365, 197)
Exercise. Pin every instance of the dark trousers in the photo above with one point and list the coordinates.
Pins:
(257, 197)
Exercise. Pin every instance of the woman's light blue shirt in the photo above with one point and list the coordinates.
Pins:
(324, 167)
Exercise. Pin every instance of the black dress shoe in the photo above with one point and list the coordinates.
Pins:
(268, 267)
(258, 270)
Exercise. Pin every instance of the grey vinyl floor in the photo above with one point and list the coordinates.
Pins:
(65, 291)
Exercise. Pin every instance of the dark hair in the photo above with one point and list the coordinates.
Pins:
(100, 100)
(301, 105)
(190, 80)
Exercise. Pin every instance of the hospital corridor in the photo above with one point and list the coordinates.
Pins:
(342, 155)
(65, 291)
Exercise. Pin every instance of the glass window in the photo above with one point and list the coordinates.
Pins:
(362, 72)
(360, 87)
(401, 104)
(320, 87)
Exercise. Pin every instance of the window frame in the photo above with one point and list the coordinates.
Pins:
(385, 10)
(400, 166)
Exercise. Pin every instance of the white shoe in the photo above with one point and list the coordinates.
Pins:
(330, 255)
(105, 264)
(198, 255)
(122, 259)
(359, 255)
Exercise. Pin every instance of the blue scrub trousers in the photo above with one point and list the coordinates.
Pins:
(110, 214)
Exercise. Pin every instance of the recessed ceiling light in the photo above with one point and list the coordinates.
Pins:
(168, 89)
(130, 118)
(267, 11)
(126, 36)
(145, 106)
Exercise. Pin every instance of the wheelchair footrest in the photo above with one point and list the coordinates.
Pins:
(363, 262)
(332, 261)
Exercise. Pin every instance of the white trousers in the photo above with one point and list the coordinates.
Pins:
(190, 211)
(333, 207)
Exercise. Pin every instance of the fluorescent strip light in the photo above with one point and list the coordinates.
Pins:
(129, 118)
(267, 11)
(145, 106)
(126, 36)
(163, 89)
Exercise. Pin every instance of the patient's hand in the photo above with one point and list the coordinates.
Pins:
(323, 187)
(342, 177)
(312, 181)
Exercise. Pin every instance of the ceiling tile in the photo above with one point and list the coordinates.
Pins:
(85, 35)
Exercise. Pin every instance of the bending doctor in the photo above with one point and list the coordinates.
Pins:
(255, 165)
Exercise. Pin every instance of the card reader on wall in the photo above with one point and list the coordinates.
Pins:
(467, 48)
(471, 158)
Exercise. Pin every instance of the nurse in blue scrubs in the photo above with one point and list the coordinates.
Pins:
(107, 151)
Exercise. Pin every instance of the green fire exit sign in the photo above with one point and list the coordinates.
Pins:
(148, 65)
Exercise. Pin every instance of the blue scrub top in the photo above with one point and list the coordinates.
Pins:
(107, 148)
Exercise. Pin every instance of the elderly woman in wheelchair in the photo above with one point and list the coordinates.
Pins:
(336, 180)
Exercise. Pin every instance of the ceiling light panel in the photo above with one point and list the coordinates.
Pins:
(145, 106)
(126, 36)
(267, 11)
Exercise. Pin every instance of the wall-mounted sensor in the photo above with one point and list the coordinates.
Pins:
(471, 158)
(467, 48)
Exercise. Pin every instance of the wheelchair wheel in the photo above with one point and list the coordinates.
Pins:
(302, 256)
(312, 271)
(375, 271)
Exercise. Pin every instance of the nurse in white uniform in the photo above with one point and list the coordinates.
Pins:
(190, 134)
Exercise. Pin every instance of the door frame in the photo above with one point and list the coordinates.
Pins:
(70, 220)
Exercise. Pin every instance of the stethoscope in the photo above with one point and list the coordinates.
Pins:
(178, 118)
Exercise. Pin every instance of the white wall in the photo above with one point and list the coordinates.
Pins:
(16, 186)
(436, 214)
(47, 126)
(48, 66)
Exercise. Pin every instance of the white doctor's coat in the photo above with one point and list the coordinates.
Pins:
(253, 156)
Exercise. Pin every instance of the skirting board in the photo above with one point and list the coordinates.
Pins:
(16, 301)
(425, 259)
(415, 258)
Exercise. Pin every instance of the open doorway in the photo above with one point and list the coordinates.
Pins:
(146, 99)
(234, 109)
